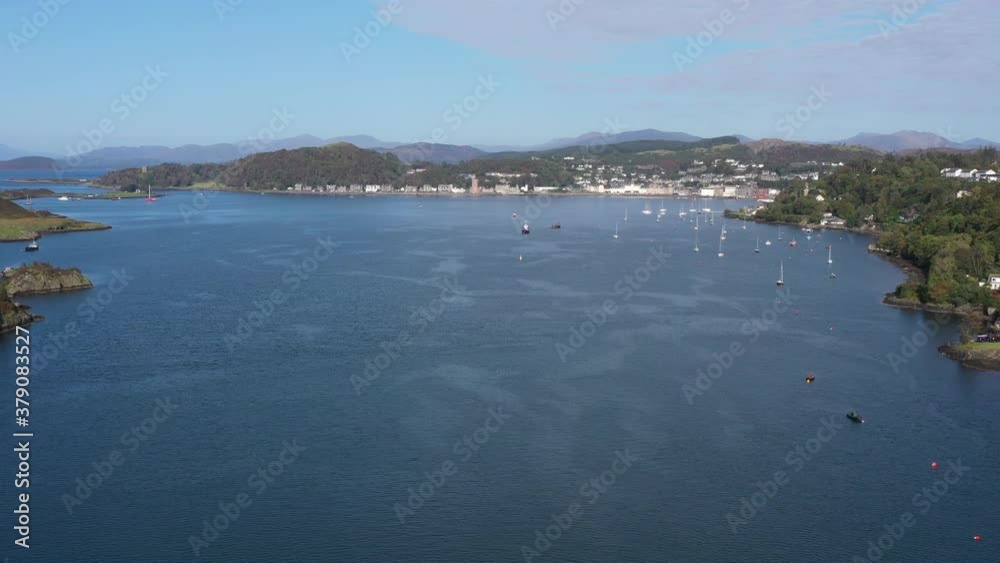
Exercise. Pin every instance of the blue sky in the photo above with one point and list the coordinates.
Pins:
(563, 67)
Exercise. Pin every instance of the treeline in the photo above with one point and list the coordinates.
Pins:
(341, 164)
(953, 240)
(315, 166)
(162, 176)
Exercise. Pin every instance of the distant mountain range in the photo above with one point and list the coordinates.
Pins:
(914, 140)
(123, 157)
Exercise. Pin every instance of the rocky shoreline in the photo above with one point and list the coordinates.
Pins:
(40, 278)
(981, 359)
(974, 319)
(34, 279)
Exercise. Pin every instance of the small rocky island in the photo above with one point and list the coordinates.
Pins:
(33, 279)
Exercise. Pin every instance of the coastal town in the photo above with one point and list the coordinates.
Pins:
(719, 178)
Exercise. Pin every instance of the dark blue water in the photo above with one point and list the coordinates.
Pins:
(199, 269)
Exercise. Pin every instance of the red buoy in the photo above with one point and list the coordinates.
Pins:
(977, 537)
(933, 465)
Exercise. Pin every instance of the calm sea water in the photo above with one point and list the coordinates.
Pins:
(195, 267)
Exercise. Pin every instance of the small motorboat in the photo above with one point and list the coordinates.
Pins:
(514, 215)
(833, 275)
(556, 226)
(768, 243)
(525, 229)
(62, 198)
(793, 244)
(810, 378)
(32, 247)
(855, 416)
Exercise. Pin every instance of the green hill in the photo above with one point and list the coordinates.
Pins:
(18, 223)
(340, 163)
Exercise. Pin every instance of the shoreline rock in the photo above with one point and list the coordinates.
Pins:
(13, 315)
(984, 359)
(40, 278)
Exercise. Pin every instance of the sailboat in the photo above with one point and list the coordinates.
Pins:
(626, 214)
(723, 230)
(663, 208)
(794, 243)
(647, 210)
(779, 234)
(32, 246)
(149, 193)
(696, 221)
(757, 250)
(722, 238)
(696, 248)
(781, 280)
(616, 231)
(29, 200)
(829, 258)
